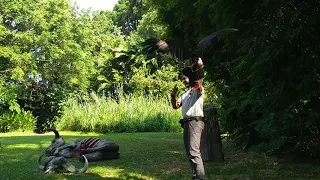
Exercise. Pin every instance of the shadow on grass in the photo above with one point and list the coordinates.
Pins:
(241, 165)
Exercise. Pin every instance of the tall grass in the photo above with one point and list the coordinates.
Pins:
(131, 114)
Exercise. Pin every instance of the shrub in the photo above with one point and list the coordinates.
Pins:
(13, 121)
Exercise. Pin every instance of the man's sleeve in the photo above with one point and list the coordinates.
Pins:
(180, 100)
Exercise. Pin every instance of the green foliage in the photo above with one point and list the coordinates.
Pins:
(129, 71)
(8, 95)
(155, 79)
(132, 114)
(265, 77)
(12, 121)
(127, 15)
(50, 51)
(274, 80)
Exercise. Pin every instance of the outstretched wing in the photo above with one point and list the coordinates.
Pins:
(151, 45)
(202, 45)
(176, 47)
(173, 47)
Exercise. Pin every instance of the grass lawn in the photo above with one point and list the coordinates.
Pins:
(143, 156)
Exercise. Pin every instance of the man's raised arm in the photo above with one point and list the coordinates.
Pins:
(174, 102)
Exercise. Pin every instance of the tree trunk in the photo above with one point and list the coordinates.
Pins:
(211, 144)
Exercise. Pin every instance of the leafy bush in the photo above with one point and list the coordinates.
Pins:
(12, 121)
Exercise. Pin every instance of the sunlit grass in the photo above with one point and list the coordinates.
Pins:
(132, 114)
(22, 146)
(144, 156)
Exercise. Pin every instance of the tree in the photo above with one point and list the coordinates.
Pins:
(266, 76)
(127, 15)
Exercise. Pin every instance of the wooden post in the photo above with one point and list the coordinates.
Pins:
(211, 144)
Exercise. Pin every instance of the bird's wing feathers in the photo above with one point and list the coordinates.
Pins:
(176, 46)
(207, 40)
(150, 45)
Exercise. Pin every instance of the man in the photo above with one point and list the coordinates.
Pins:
(192, 122)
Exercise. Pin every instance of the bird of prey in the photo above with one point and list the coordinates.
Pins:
(193, 66)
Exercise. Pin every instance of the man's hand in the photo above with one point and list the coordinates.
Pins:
(174, 102)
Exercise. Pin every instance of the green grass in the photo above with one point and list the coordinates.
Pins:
(153, 156)
(132, 114)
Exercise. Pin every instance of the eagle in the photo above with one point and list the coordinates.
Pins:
(193, 65)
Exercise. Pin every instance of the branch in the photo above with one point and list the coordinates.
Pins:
(5, 71)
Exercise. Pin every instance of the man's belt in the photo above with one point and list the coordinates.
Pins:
(196, 118)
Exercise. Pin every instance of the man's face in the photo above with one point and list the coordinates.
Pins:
(185, 81)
